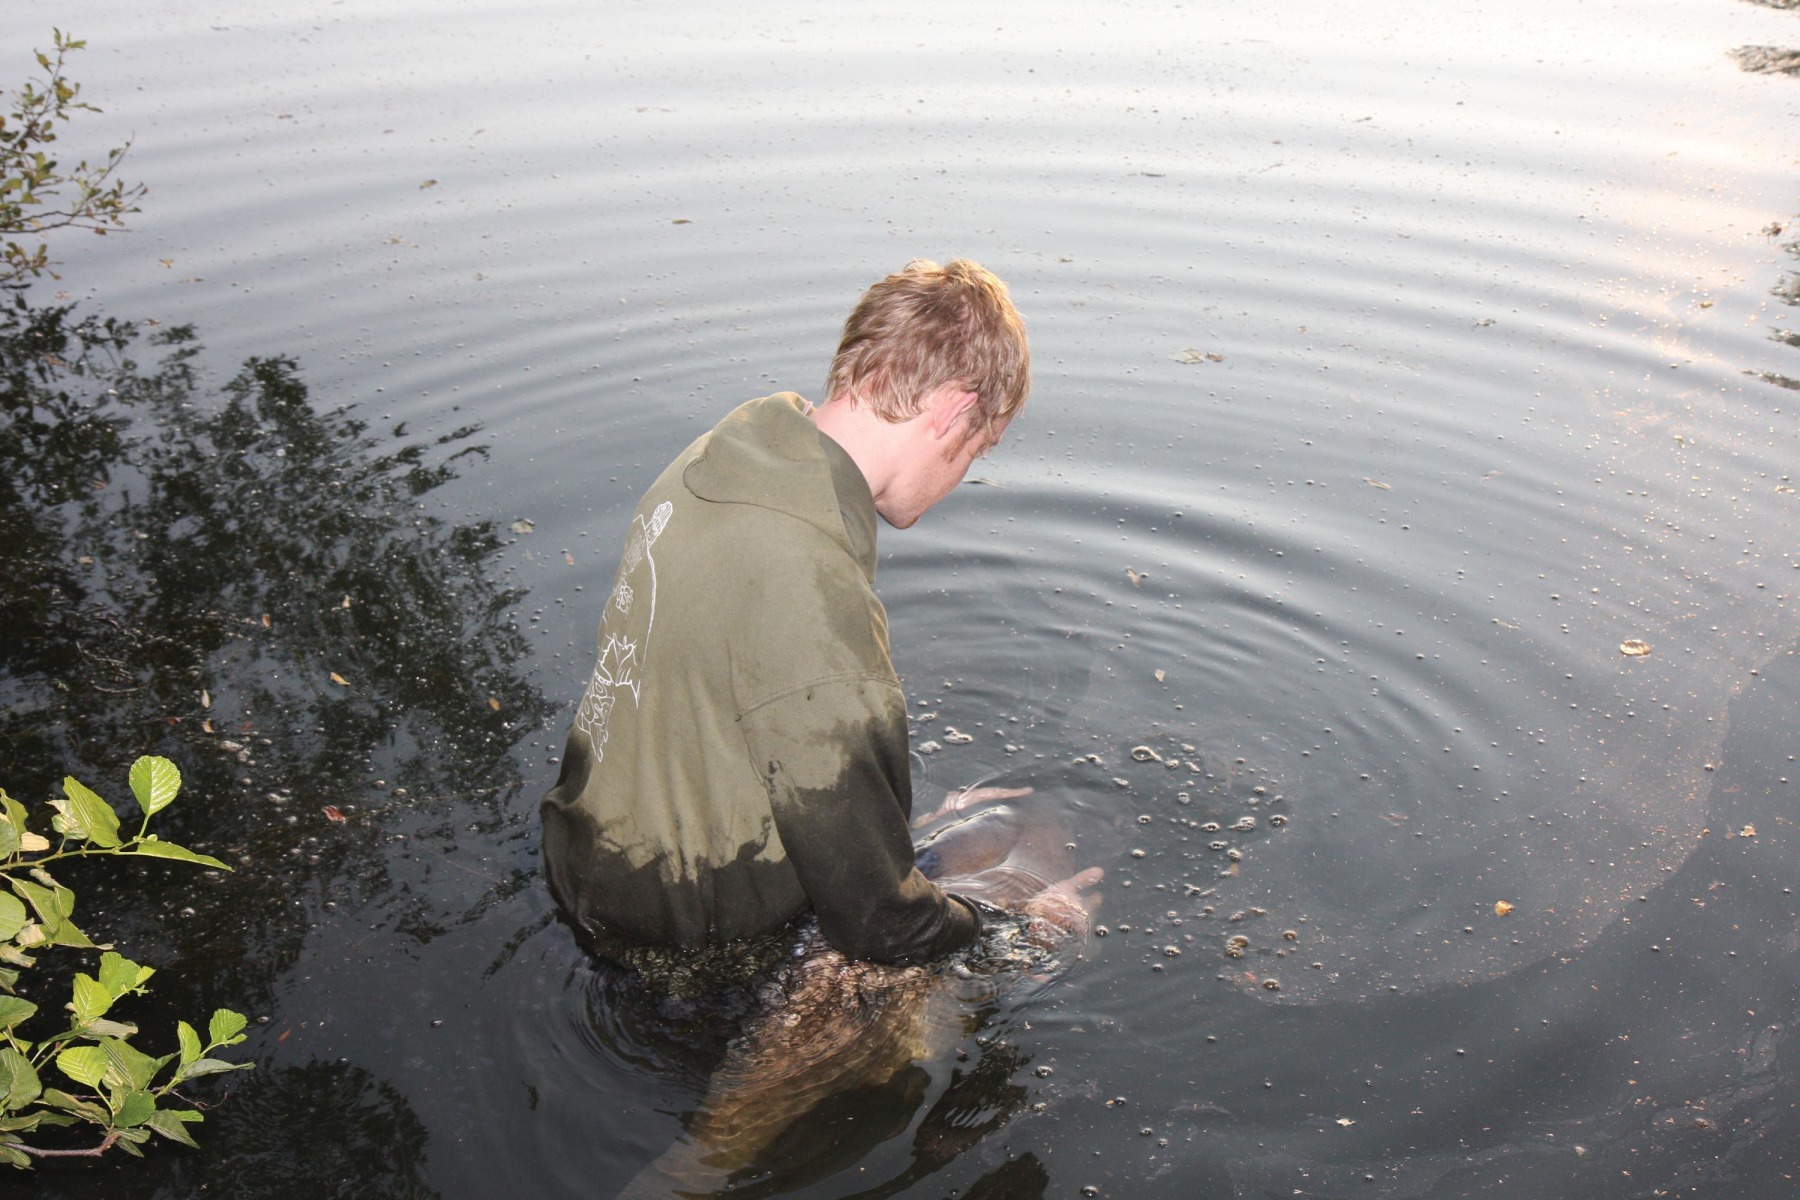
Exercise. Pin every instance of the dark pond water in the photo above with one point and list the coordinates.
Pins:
(1394, 368)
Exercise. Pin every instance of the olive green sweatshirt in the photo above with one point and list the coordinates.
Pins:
(740, 754)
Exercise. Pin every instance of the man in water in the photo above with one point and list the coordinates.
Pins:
(740, 756)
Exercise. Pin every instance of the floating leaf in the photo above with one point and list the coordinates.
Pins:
(1747, 831)
(429, 183)
(524, 525)
(267, 623)
(1501, 908)
(1634, 648)
(494, 703)
(1346, 1122)
(334, 814)
(339, 680)
(155, 781)
(205, 698)
(1161, 675)
(1376, 483)
(1137, 578)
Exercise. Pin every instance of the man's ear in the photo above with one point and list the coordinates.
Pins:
(949, 406)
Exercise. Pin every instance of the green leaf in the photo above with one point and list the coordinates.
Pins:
(12, 914)
(9, 838)
(14, 1009)
(43, 899)
(54, 904)
(46, 1117)
(95, 814)
(66, 934)
(155, 782)
(104, 1028)
(170, 1121)
(15, 812)
(190, 1042)
(134, 1109)
(119, 975)
(208, 1066)
(13, 1156)
(86, 1065)
(128, 1066)
(225, 1027)
(90, 999)
(87, 1110)
(19, 1084)
(67, 821)
(152, 847)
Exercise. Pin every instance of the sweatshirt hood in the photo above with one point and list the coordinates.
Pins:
(769, 453)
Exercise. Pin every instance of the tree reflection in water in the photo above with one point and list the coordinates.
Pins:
(1786, 290)
(319, 1129)
(265, 592)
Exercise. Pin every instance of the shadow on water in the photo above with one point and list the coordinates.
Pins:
(255, 587)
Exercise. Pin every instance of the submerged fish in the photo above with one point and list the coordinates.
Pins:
(826, 1025)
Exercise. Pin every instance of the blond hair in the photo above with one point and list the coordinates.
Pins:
(926, 326)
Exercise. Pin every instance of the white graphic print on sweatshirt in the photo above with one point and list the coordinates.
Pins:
(624, 631)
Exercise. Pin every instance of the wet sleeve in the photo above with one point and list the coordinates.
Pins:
(833, 756)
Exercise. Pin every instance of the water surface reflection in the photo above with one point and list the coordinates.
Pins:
(257, 589)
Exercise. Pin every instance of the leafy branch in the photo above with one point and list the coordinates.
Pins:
(36, 193)
(123, 1098)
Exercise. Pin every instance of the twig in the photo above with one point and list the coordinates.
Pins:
(93, 1152)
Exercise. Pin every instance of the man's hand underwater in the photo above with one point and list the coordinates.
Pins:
(1060, 911)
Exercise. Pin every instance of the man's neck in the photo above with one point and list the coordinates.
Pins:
(864, 436)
